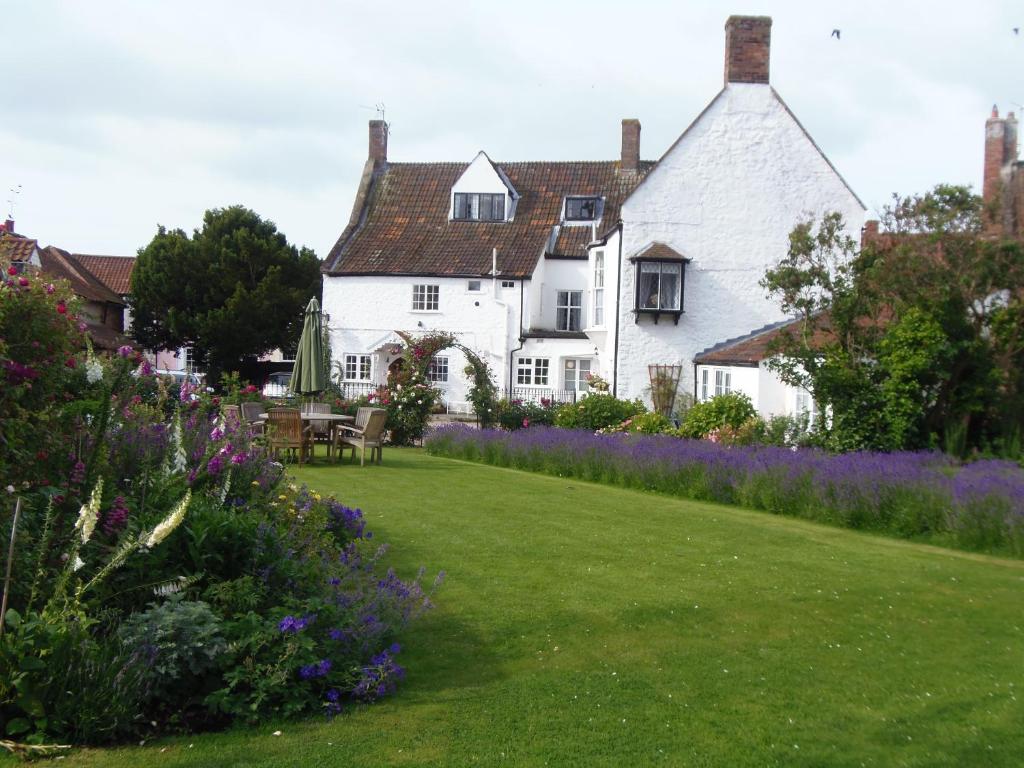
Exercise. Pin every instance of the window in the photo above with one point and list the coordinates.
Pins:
(598, 296)
(569, 310)
(357, 367)
(437, 371)
(575, 374)
(582, 208)
(508, 283)
(805, 406)
(19, 267)
(474, 206)
(659, 286)
(723, 382)
(473, 286)
(532, 371)
(424, 298)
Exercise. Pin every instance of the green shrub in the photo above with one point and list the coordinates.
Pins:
(516, 414)
(731, 410)
(187, 645)
(643, 423)
(597, 411)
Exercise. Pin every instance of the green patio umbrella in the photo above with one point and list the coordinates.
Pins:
(308, 375)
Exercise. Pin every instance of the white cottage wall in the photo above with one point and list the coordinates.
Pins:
(726, 195)
(365, 310)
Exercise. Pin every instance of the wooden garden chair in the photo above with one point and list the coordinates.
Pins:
(284, 430)
(366, 432)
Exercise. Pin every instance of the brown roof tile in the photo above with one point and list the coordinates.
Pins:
(115, 272)
(404, 228)
(657, 250)
(60, 264)
(572, 242)
(16, 248)
(751, 349)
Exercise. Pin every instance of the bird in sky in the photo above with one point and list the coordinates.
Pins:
(835, 34)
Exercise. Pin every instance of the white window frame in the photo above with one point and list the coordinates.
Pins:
(805, 404)
(597, 293)
(533, 371)
(564, 302)
(357, 366)
(660, 302)
(723, 381)
(437, 369)
(582, 367)
(426, 297)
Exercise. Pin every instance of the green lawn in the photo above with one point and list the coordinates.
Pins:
(583, 625)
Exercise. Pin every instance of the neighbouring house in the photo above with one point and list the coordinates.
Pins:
(101, 282)
(1003, 177)
(556, 270)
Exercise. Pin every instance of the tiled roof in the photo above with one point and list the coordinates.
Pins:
(59, 263)
(16, 248)
(106, 338)
(658, 250)
(751, 349)
(404, 226)
(115, 272)
(572, 242)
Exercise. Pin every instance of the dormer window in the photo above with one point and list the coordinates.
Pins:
(582, 208)
(474, 206)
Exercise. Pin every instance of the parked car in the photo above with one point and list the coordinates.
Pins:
(277, 384)
(179, 377)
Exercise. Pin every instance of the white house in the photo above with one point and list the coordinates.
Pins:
(553, 270)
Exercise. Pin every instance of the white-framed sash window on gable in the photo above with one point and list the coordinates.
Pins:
(598, 290)
(358, 367)
(717, 381)
(575, 371)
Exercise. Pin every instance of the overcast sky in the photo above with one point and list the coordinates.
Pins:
(119, 116)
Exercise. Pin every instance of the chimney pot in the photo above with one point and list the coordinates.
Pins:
(630, 145)
(748, 44)
(378, 141)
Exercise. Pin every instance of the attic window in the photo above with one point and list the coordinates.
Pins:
(582, 208)
(475, 206)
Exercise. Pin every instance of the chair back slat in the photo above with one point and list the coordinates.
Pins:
(285, 425)
(375, 422)
(251, 412)
(321, 427)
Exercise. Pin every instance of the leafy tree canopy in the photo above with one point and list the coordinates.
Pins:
(917, 338)
(234, 289)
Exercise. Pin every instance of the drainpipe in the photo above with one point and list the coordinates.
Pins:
(618, 294)
(512, 353)
(499, 302)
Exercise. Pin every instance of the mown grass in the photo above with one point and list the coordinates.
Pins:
(584, 625)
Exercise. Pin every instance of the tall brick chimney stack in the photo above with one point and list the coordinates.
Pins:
(630, 145)
(748, 47)
(1000, 152)
(378, 142)
(8, 226)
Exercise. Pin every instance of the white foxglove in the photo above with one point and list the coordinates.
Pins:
(169, 523)
(90, 512)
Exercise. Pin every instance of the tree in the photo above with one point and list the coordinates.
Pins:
(917, 338)
(235, 289)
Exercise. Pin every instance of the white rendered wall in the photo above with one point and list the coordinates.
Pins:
(556, 275)
(365, 312)
(726, 196)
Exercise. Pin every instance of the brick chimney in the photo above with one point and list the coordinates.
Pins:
(630, 145)
(378, 141)
(748, 47)
(9, 226)
(1000, 152)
